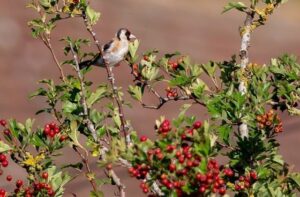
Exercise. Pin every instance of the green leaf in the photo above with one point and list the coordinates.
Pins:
(180, 80)
(69, 107)
(4, 147)
(38, 92)
(74, 134)
(133, 47)
(224, 132)
(45, 3)
(135, 92)
(92, 15)
(97, 95)
(235, 5)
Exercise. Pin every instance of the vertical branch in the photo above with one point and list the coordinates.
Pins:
(87, 121)
(111, 78)
(244, 55)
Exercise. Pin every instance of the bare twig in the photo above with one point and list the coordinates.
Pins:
(85, 161)
(47, 41)
(244, 55)
(88, 122)
(110, 76)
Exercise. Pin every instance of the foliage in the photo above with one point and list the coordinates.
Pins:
(181, 161)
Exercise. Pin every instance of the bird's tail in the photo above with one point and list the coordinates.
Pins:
(85, 64)
(97, 61)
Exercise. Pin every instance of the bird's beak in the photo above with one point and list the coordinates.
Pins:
(132, 37)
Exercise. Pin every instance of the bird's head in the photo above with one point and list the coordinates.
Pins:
(125, 34)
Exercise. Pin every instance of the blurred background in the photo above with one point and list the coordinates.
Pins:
(194, 27)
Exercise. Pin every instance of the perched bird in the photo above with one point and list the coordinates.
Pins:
(113, 52)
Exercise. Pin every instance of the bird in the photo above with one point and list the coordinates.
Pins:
(113, 52)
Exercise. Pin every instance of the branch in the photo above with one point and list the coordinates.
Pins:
(117, 181)
(244, 55)
(110, 76)
(88, 169)
(47, 42)
(87, 121)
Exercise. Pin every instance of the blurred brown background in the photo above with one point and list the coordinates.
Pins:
(194, 27)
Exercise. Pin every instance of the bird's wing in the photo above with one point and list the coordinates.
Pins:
(107, 47)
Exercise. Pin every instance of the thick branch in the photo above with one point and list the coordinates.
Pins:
(244, 55)
(117, 181)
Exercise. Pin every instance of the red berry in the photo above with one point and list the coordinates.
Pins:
(160, 156)
(4, 163)
(253, 175)
(3, 123)
(222, 191)
(63, 138)
(50, 192)
(165, 182)
(181, 159)
(189, 163)
(145, 190)
(164, 176)
(51, 134)
(172, 167)
(9, 178)
(170, 185)
(45, 175)
(157, 151)
(202, 189)
(197, 124)
(196, 163)
(6, 132)
(143, 138)
(170, 148)
(19, 183)
(2, 157)
(178, 153)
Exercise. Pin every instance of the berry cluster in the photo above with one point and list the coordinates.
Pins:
(270, 121)
(171, 92)
(144, 186)
(164, 127)
(6, 131)
(51, 129)
(3, 160)
(173, 65)
(211, 180)
(139, 171)
(244, 182)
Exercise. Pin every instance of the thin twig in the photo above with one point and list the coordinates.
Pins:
(87, 166)
(47, 41)
(110, 75)
(87, 121)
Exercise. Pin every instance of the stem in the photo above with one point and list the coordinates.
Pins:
(110, 76)
(47, 42)
(87, 166)
(244, 55)
(87, 121)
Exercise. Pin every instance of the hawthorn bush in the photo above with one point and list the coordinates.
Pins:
(243, 103)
